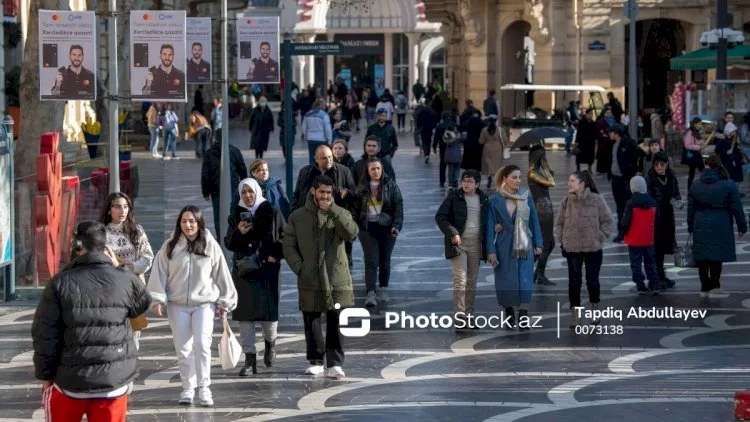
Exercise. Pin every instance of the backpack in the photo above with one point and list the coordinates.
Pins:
(450, 136)
(402, 102)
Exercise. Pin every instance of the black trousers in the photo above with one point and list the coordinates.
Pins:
(426, 138)
(691, 175)
(443, 165)
(329, 350)
(621, 193)
(709, 273)
(593, 262)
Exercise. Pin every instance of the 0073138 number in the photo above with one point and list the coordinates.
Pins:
(599, 329)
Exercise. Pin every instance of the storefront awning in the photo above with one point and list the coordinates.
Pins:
(705, 58)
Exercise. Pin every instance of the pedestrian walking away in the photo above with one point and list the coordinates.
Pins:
(583, 224)
(254, 236)
(261, 126)
(379, 212)
(625, 158)
(84, 352)
(128, 241)
(313, 247)
(541, 179)
(211, 178)
(493, 141)
(316, 128)
(191, 278)
(513, 238)
(462, 217)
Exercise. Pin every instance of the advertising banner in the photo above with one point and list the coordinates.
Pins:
(6, 251)
(67, 55)
(379, 79)
(198, 68)
(258, 40)
(157, 55)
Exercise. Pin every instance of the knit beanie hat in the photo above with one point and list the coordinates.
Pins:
(638, 185)
(661, 156)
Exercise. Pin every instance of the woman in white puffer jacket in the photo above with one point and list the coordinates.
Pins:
(190, 275)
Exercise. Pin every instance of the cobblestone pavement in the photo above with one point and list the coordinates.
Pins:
(656, 370)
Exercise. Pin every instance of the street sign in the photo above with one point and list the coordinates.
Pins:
(597, 46)
(626, 9)
(317, 49)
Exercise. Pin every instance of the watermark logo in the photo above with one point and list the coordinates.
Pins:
(347, 313)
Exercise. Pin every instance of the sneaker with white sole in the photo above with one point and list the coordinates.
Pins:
(314, 370)
(205, 397)
(371, 300)
(186, 397)
(383, 295)
(335, 372)
(704, 295)
(717, 294)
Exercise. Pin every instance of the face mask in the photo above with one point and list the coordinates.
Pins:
(263, 104)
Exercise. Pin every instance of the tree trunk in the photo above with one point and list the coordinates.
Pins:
(37, 116)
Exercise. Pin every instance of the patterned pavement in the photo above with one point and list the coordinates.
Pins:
(654, 370)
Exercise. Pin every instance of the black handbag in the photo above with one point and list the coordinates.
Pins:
(249, 264)
(384, 219)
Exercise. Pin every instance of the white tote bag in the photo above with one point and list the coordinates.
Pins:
(230, 349)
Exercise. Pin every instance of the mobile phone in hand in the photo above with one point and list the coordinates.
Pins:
(247, 217)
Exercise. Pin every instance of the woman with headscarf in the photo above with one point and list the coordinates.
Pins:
(254, 235)
(663, 187)
(541, 178)
(603, 143)
(494, 140)
(512, 238)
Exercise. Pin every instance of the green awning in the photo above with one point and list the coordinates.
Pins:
(705, 58)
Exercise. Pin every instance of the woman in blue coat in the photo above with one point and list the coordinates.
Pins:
(513, 239)
(714, 206)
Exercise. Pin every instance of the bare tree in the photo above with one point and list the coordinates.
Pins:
(37, 116)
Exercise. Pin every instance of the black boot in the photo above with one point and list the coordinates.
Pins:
(512, 320)
(269, 355)
(249, 364)
(542, 280)
(523, 313)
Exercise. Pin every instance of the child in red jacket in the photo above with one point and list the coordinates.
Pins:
(637, 229)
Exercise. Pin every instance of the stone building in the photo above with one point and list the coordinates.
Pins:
(571, 42)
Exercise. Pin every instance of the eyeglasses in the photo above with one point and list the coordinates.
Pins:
(468, 181)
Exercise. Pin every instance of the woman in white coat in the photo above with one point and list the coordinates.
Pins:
(190, 275)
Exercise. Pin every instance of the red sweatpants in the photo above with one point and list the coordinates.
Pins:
(60, 408)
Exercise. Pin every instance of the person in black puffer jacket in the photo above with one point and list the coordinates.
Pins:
(379, 212)
(211, 178)
(83, 341)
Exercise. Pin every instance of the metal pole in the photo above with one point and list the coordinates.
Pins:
(2, 69)
(224, 188)
(114, 105)
(721, 49)
(10, 270)
(633, 75)
(288, 116)
(578, 45)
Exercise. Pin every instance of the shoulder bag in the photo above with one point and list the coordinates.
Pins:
(250, 263)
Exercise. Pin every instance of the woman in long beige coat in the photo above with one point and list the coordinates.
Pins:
(494, 140)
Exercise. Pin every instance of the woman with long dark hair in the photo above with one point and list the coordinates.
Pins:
(512, 239)
(126, 238)
(714, 205)
(541, 179)
(191, 277)
(583, 225)
(380, 215)
(663, 187)
(254, 234)
(691, 153)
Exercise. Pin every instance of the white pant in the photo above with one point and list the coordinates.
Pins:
(189, 324)
(247, 333)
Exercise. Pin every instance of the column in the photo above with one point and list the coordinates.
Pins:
(310, 65)
(413, 39)
(329, 67)
(388, 46)
(298, 66)
(423, 76)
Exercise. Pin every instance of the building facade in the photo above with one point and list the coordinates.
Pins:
(572, 42)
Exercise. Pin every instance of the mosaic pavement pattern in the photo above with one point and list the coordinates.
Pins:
(655, 370)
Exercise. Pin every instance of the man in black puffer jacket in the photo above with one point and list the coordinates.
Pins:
(83, 342)
(211, 179)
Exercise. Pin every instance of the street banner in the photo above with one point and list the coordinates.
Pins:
(198, 66)
(6, 250)
(157, 55)
(379, 79)
(67, 55)
(258, 38)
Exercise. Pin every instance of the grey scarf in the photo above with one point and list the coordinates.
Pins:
(521, 231)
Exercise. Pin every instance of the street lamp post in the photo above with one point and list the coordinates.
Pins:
(114, 106)
(224, 188)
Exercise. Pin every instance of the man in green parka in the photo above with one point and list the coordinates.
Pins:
(314, 249)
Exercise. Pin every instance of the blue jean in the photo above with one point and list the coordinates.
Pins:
(569, 138)
(643, 256)
(154, 145)
(312, 146)
(454, 171)
(170, 140)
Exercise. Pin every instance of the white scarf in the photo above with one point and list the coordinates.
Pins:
(259, 199)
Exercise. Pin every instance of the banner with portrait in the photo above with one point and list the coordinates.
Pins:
(67, 55)
(198, 67)
(258, 41)
(157, 55)
(6, 176)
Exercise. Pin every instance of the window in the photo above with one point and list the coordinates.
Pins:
(400, 63)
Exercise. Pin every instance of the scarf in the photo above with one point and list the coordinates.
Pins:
(521, 231)
(259, 199)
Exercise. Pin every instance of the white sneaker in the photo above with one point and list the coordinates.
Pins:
(336, 373)
(186, 397)
(704, 295)
(383, 295)
(370, 301)
(717, 294)
(205, 397)
(315, 370)
(167, 158)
